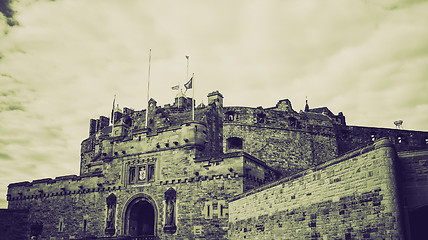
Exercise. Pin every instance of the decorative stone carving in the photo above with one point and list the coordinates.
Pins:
(111, 212)
(170, 199)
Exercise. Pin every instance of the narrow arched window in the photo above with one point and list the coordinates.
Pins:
(231, 116)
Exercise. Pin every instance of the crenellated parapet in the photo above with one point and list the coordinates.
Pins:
(59, 186)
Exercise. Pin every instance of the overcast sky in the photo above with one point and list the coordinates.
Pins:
(61, 62)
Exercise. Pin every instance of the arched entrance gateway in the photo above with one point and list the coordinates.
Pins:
(140, 216)
(419, 223)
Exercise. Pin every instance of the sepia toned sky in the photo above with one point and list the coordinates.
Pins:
(61, 62)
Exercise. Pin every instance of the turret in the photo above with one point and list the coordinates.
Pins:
(120, 129)
(182, 101)
(284, 105)
(151, 114)
(194, 132)
(215, 97)
(96, 125)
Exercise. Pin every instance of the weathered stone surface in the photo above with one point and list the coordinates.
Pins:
(352, 197)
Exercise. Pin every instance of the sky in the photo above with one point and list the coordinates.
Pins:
(61, 63)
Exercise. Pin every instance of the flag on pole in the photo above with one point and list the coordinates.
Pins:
(189, 84)
(176, 87)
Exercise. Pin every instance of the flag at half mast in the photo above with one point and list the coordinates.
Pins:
(189, 84)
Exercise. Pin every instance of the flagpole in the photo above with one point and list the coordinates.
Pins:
(112, 110)
(193, 97)
(148, 88)
(112, 127)
(187, 73)
(179, 91)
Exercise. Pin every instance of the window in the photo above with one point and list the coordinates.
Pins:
(373, 137)
(142, 173)
(292, 122)
(151, 172)
(85, 224)
(131, 174)
(261, 118)
(221, 208)
(61, 224)
(231, 116)
(400, 139)
(208, 210)
(234, 143)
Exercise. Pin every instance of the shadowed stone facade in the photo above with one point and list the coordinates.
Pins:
(231, 173)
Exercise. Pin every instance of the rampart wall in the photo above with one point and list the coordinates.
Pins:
(352, 197)
(203, 187)
(82, 211)
(351, 137)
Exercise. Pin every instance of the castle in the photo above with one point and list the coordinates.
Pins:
(230, 173)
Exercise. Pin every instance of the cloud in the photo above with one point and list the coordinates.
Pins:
(4, 156)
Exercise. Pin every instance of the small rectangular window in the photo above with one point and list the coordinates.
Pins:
(221, 208)
(151, 172)
(131, 174)
(208, 210)
(61, 225)
(85, 224)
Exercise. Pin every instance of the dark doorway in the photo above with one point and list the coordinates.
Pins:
(141, 219)
(418, 223)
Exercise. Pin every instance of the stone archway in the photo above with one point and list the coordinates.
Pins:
(140, 216)
(418, 223)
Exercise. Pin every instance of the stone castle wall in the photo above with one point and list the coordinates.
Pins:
(284, 139)
(352, 197)
(75, 206)
(79, 203)
(285, 150)
(352, 137)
